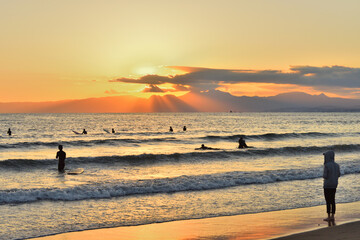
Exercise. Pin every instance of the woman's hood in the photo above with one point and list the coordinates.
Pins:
(329, 156)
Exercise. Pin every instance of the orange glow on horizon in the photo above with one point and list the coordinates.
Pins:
(198, 102)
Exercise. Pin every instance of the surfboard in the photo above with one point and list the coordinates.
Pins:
(75, 171)
(107, 131)
(76, 132)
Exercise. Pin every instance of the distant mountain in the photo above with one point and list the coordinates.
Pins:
(210, 101)
(286, 102)
(299, 101)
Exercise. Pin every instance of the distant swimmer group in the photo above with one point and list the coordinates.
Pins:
(172, 130)
(112, 130)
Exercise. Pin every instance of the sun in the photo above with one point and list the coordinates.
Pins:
(148, 70)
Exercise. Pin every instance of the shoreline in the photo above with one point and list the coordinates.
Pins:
(282, 225)
(348, 230)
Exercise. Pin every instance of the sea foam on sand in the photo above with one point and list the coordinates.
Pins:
(266, 225)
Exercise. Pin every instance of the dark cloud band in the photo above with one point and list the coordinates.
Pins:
(206, 78)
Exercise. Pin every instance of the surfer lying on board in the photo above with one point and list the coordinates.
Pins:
(203, 147)
(61, 155)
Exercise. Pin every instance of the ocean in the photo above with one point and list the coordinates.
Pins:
(144, 174)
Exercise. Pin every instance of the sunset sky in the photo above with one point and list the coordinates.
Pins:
(74, 49)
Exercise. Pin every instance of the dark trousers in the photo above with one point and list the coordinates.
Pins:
(61, 166)
(330, 200)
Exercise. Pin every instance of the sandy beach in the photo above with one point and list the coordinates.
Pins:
(303, 223)
(348, 231)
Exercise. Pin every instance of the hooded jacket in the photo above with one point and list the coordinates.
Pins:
(331, 170)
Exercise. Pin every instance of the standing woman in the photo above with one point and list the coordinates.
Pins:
(331, 175)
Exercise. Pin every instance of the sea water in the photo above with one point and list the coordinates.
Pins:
(143, 173)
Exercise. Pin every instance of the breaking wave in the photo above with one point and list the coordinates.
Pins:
(166, 185)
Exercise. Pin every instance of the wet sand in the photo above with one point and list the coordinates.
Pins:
(305, 223)
(348, 231)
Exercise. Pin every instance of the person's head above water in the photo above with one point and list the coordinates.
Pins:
(60, 147)
(202, 145)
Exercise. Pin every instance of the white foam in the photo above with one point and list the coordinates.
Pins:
(165, 185)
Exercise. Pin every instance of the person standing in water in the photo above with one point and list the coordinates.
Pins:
(171, 129)
(9, 132)
(330, 175)
(184, 128)
(61, 155)
(242, 143)
(113, 130)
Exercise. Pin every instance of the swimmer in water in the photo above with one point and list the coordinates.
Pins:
(203, 147)
(242, 143)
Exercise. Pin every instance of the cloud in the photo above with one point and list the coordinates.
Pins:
(179, 87)
(148, 79)
(152, 88)
(201, 79)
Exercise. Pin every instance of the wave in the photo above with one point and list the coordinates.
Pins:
(271, 136)
(166, 185)
(85, 143)
(166, 138)
(26, 164)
